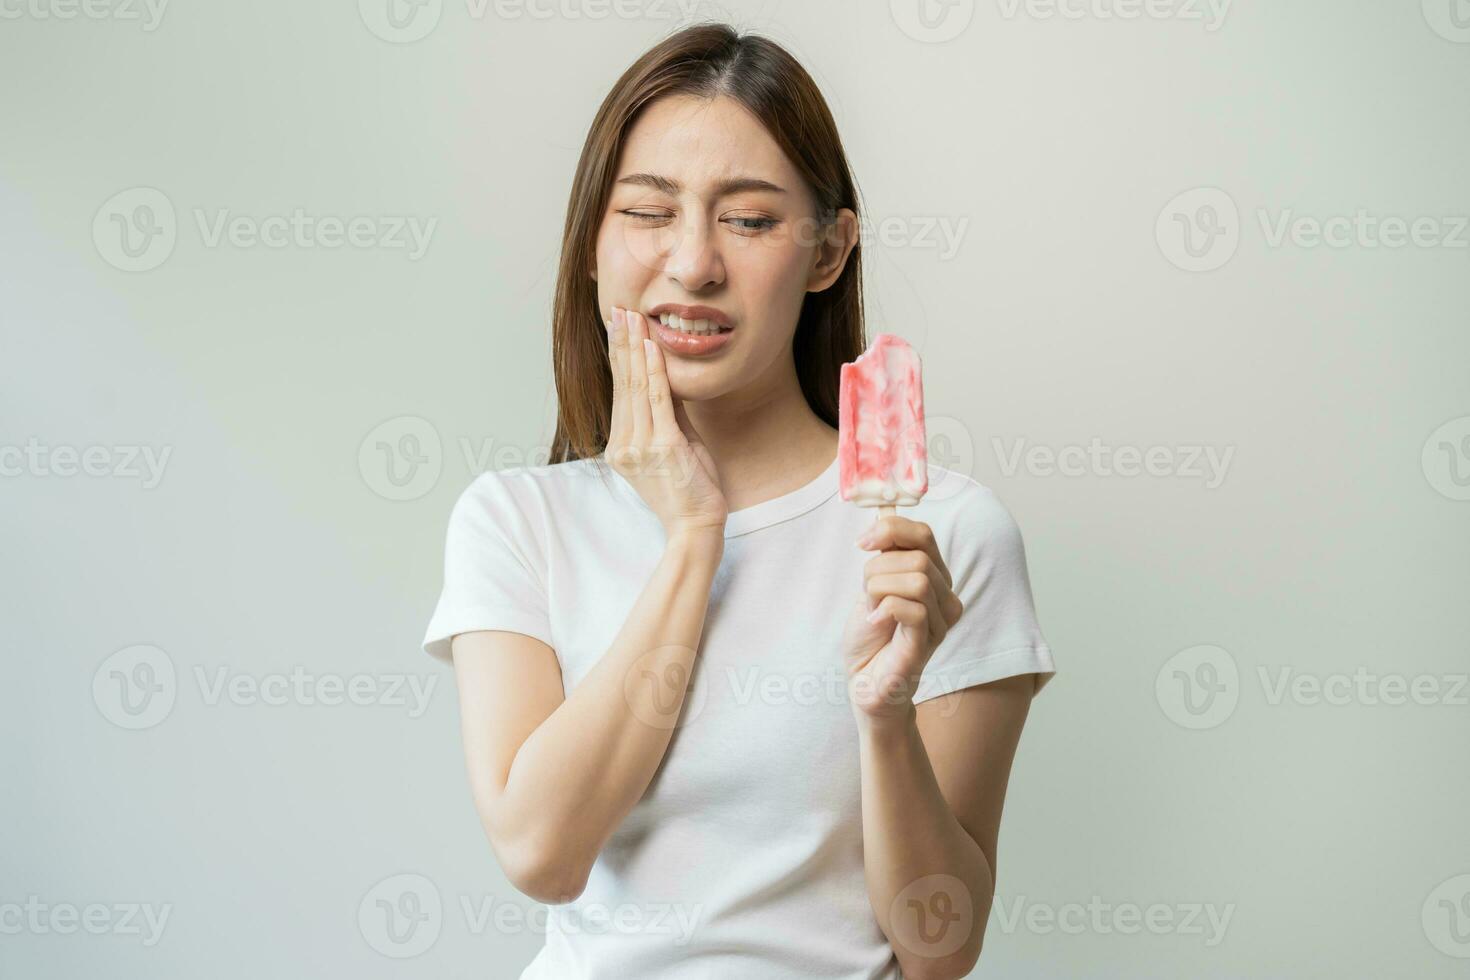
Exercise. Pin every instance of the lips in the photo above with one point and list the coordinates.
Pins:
(689, 344)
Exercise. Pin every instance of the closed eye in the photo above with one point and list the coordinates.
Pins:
(743, 223)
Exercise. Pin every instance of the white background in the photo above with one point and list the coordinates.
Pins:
(276, 536)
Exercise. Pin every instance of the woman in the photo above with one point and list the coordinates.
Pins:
(723, 721)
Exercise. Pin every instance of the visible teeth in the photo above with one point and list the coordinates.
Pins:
(688, 326)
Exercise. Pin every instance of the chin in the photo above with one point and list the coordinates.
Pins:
(694, 384)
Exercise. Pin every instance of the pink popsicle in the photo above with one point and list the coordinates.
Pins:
(881, 456)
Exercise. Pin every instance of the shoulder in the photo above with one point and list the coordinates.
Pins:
(961, 508)
(522, 500)
(530, 488)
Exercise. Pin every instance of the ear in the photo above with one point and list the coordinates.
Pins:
(837, 242)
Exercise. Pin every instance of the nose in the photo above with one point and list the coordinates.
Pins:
(693, 260)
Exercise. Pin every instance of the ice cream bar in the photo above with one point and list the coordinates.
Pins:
(881, 457)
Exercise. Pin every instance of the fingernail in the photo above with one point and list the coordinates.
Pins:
(875, 615)
(650, 354)
(865, 539)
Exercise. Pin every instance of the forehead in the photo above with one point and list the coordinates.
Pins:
(697, 142)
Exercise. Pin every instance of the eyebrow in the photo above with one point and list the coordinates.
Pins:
(723, 188)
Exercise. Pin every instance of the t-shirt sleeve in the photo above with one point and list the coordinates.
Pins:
(494, 578)
(997, 635)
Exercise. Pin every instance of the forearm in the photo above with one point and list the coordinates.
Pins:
(582, 770)
(910, 833)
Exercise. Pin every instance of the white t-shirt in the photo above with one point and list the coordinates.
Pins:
(744, 858)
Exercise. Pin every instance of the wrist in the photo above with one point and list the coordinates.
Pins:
(894, 722)
(705, 541)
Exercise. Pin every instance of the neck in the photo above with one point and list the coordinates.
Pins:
(765, 439)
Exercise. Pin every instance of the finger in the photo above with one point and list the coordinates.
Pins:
(953, 608)
(888, 562)
(638, 408)
(912, 587)
(903, 534)
(618, 363)
(906, 611)
(666, 430)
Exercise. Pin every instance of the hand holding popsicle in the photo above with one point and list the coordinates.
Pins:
(909, 603)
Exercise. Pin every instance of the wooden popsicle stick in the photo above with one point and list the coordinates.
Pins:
(887, 510)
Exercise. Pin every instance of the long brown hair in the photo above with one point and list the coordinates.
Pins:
(704, 61)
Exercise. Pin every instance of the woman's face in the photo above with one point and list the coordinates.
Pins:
(706, 211)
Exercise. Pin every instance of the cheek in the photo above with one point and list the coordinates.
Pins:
(772, 276)
(627, 253)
